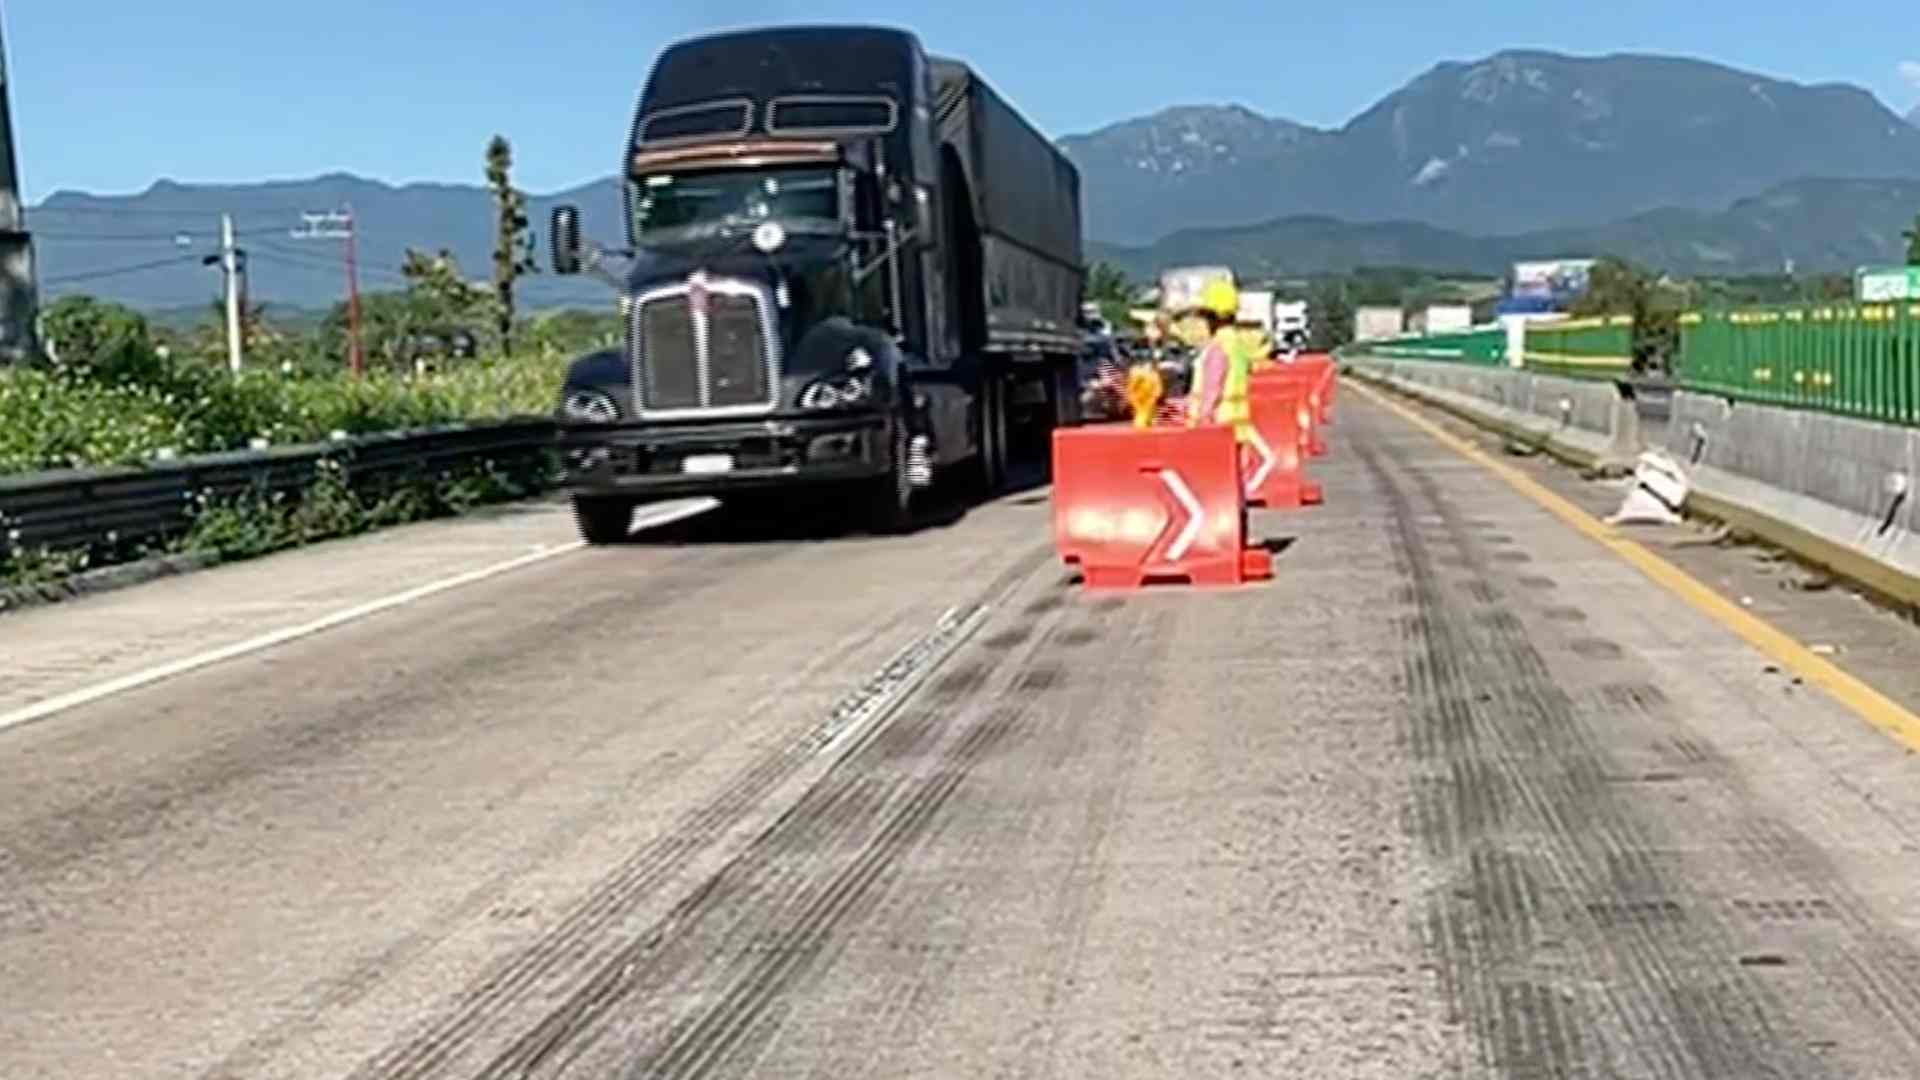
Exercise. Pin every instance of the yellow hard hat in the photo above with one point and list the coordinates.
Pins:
(1221, 298)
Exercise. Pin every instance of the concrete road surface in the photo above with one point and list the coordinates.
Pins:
(1460, 793)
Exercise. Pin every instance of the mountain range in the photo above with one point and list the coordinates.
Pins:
(1813, 225)
(147, 249)
(1690, 166)
(1520, 141)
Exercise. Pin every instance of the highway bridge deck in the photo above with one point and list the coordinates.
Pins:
(1461, 792)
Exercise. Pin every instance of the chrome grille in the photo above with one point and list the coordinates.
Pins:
(736, 353)
(718, 357)
(669, 376)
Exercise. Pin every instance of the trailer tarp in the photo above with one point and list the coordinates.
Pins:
(1026, 202)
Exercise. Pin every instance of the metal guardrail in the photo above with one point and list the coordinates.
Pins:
(70, 509)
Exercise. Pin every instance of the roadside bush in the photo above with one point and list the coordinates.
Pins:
(114, 407)
(101, 342)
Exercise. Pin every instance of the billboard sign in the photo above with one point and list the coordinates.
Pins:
(1556, 279)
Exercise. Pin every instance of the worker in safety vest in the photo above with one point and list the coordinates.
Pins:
(1221, 374)
(1218, 394)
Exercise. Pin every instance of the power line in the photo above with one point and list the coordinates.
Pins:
(381, 269)
(318, 264)
(116, 271)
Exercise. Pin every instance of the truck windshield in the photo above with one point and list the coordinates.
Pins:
(690, 203)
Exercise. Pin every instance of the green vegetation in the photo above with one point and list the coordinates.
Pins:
(115, 390)
(1107, 286)
(1617, 287)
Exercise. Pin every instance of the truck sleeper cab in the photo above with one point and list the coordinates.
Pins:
(805, 295)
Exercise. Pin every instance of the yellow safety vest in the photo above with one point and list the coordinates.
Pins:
(1233, 408)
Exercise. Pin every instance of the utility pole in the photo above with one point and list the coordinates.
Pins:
(230, 261)
(338, 225)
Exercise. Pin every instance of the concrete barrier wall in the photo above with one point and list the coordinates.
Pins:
(1834, 490)
(1839, 489)
(1587, 423)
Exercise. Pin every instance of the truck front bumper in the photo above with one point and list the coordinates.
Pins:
(717, 458)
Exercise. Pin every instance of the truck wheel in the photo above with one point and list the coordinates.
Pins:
(602, 520)
(993, 437)
(889, 498)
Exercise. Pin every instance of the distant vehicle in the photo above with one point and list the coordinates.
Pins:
(1283, 321)
(1291, 329)
(1103, 379)
(853, 267)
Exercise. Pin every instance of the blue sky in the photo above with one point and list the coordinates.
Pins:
(401, 90)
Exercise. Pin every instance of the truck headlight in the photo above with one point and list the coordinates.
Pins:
(589, 407)
(835, 392)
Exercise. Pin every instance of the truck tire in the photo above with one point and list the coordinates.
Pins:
(888, 500)
(993, 436)
(602, 520)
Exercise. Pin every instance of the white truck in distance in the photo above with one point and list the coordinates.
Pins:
(1283, 321)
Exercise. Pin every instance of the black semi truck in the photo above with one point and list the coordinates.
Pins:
(850, 267)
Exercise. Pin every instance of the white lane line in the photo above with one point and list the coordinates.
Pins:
(664, 514)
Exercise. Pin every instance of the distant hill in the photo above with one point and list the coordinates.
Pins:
(84, 242)
(1185, 166)
(1821, 225)
(1914, 116)
(1515, 142)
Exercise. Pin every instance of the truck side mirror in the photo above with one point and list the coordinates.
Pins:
(564, 239)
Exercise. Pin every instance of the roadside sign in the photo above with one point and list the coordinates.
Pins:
(1882, 284)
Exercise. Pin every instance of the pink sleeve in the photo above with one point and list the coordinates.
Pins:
(1214, 379)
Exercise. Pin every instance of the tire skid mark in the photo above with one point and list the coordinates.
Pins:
(851, 803)
(903, 913)
(1589, 845)
(575, 955)
(1871, 966)
(47, 845)
(326, 996)
(801, 904)
(1860, 962)
(1709, 1024)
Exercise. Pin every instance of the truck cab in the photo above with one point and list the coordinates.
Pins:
(807, 283)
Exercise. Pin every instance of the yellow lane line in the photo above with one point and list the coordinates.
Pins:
(1869, 704)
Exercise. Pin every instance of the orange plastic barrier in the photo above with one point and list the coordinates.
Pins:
(1326, 377)
(1292, 380)
(1132, 506)
(1275, 471)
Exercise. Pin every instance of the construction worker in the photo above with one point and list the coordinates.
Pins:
(1218, 393)
(1221, 374)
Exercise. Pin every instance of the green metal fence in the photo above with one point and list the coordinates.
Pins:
(1855, 359)
(1596, 348)
(1487, 347)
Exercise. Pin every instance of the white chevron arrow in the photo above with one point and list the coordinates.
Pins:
(1191, 531)
(1259, 476)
